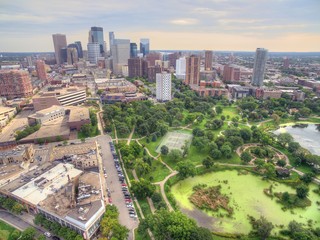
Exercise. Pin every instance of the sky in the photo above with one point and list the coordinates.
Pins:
(221, 25)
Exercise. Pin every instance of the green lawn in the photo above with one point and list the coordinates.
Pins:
(5, 230)
(152, 146)
(158, 172)
(145, 207)
(231, 111)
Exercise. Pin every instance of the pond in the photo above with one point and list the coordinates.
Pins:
(246, 198)
(306, 134)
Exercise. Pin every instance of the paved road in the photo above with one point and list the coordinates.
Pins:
(13, 220)
(115, 186)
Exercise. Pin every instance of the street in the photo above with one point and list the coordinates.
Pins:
(115, 186)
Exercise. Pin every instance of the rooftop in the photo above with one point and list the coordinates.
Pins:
(78, 113)
(5, 109)
(19, 150)
(77, 149)
(46, 111)
(48, 183)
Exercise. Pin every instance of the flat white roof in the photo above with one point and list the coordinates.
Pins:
(55, 178)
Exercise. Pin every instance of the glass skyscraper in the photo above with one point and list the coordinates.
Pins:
(133, 50)
(259, 66)
(96, 36)
(144, 46)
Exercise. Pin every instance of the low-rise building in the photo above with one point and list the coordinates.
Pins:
(46, 115)
(107, 98)
(118, 85)
(22, 153)
(208, 91)
(78, 116)
(6, 113)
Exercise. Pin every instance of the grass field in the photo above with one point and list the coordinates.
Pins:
(5, 230)
(158, 172)
(152, 146)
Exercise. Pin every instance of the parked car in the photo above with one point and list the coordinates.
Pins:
(47, 234)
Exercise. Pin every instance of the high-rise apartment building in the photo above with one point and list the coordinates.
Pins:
(41, 70)
(152, 72)
(121, 53)
(208, 60)
(79, 49)
(111, 39)
(93, 52)
(181, 68)
(133, 50)
(163, 86)
(15, 84)
(286, 63)
(231, 73)
(135, 67)
(59, 42)
(192, 70)
(259, 66)
(152, 58)
(172, 58)
(144, 46)
(96, 36)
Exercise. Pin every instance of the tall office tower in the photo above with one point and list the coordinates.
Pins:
(72, 55)
(133, 50)
(59, 41)
(79, 49)
(152, 57)
(41, 70)
(96, 36)
(208, 60)
(181, 68)
(163, 86)
(121, 53)
(63, 55)
(192, 70)
(259, 66)
(135, 67)
(93, 52)
(172, 58)
(111, 39)
(231, 73)
(144, 46)
(15, 84)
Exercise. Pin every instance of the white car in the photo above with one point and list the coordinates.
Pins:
(47, 234)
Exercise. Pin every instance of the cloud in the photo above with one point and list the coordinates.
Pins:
(184, 21)
(211, 12)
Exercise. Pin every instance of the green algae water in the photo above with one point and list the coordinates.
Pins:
(246, 198)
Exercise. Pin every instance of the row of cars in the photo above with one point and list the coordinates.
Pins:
(124, 187)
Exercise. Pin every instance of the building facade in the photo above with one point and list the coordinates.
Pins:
(163, 86)
(259, 66)
(121, 53)
(208, 55)
(96, 36)
(231, 73)
(22, 153)
(192, 70)
(181, 68)
(144, 46)
(133, 50)
(93, 52)
(59, 42)
(41, 70)
(15, 84)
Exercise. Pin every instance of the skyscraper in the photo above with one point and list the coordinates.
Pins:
(79, 48)
(121, 53)
(111, 39)
(93, 52)
(208, 60)
(135, 67)
(231, 73)
(163, 86)
(59, 41)
(144, 46)
(41, 70)
(152, 58)
(192, 70)
(72, 55)
(259, 67)
(133, 50)
(96, 36)
(181, 68)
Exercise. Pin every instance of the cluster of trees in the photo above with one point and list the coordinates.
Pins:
(158, 201)
(296, 231)
(90, 130)
(110, 226)
(142, 188)
(56, 228)
(173, 225)
(222, 146)
(27, 131)
(11, 205)
(261, 228)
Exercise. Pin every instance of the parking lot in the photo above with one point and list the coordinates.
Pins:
(115, 186)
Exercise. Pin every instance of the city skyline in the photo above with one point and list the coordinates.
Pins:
(278, 25)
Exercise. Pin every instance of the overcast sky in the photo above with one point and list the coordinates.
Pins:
(278, 25)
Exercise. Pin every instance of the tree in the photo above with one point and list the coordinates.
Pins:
(302, 191)
(246, 134)
(275, 118)
(307, 177)
(119, 232)
(142, 167)
(164, 150)
(281, 163)
(219, 109)
(186, 169)
(175, 155)
(41, 237)
(65, 142)
(261, 228)
(285, 196)
(208, 162)
(14, 235)
(215, 154)
(142, 188)
(28, 234)
(226, 150)
(246, 157)
(293, 146)
(197, 132)
(284, 139)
